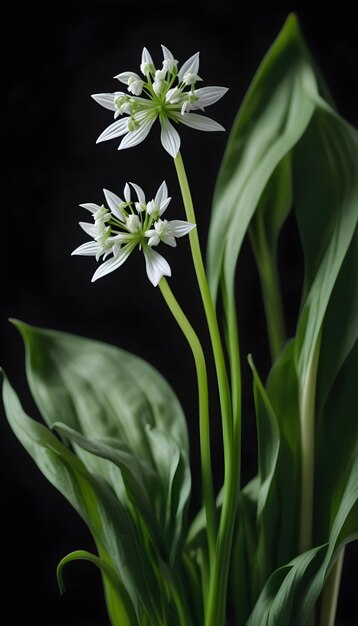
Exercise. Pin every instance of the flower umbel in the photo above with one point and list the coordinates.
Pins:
(167, 94)
(128, 224)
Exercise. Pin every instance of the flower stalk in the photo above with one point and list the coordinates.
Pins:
(231, 433)
(204, 422)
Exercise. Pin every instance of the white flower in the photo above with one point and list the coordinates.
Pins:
(128, 224)
(167, 94)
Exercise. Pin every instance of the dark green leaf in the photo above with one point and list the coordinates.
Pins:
(100, 391)
(272, 118)
(109, 522)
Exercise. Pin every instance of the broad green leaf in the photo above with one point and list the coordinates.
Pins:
(339, 332)
(336, 445)
(109, 522)
(275, 604)
(264, 230)
(100, 391)
(274, 115)
(137, 477)
(326, 205)
(273, 208)
(143, 484)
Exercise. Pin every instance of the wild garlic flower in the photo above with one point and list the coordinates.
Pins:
(126, 225)
(168, 94)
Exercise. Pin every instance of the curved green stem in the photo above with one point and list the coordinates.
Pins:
(192, 338)
(218, 581)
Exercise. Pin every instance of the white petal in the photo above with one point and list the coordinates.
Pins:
(140, 193)
(127, 192)
(125, 76)
(154, 240)
(90, 248)
(179, 228)
(167, 55)
(146, 59)
(161, 194)
(90, 229)
(117, 129)
(163, 206)
(106, 100)
(113, 202)
(208, 95)
(200, 122)
(156, 265)
(113, 263)
(137, 136)
(90, 206)
(170, 138)
(170, 241)
(190, 66)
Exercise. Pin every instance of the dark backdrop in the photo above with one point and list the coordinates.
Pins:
(54, 56)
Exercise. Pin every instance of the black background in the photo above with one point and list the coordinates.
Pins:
(54, 57)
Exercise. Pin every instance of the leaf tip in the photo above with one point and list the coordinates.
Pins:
(23, 328)
(292, 24)
(250, 360)
(61, 584)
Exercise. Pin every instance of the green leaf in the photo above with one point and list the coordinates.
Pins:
(274, 115)
(118, 601)
(282, 390)
(339, 332)
(143, 485)
(275, 604)
(336, 447)
(109, 522)
(267, 497)
(104, 393)
(265, 227)
(325, 194)
(292, 591)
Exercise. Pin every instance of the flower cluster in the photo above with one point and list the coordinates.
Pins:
(167, 94)
(128, 224)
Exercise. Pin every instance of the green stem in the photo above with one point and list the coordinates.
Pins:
(267, 267)
(307, 419)
(331, 592)
(192, 338)
(215, 615)
(224, 391)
